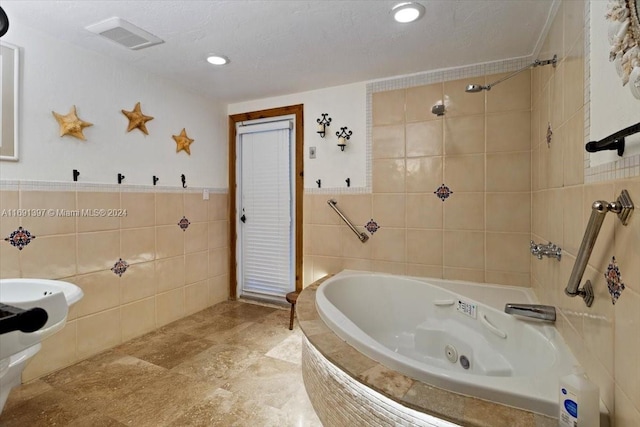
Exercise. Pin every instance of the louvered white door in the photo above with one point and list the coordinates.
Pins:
(265, 208)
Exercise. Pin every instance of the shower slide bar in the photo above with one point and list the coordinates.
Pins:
(361, 236)
(623, 206)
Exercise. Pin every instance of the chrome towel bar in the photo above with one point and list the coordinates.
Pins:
(361, 235)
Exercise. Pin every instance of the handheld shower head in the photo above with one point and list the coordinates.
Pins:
(476, 88)
(473, 88)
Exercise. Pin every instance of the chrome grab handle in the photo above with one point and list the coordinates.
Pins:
(361, 236)
(623, 207)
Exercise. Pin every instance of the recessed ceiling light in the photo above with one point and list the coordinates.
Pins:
(217, 60)
(407, 12)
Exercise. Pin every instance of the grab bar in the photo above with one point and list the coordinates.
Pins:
(487, 324)
(443, 302)
(623, 206)
(361, 236)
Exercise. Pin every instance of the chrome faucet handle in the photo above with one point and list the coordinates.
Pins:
(557, 252)
(535, 249)
(550, 250)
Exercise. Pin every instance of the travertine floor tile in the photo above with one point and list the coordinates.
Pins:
(289, 349)
(165, 349)
(268, 381)
(158, 402)
(27, 391)
(111, 381)
(225, 408)
(219, 363)
(233, 364)
(51, 408)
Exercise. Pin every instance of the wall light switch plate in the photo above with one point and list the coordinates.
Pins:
(205, 194)
(312, 152)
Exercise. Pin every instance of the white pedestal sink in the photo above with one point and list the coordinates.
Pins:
(16, 347)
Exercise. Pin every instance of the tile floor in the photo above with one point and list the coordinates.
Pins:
(233, 364)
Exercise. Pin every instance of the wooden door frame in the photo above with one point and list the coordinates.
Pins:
(296, 110)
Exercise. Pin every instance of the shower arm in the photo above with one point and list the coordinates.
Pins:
(534, 64)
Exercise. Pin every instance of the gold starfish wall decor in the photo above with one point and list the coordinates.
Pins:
(70, 124)
(183, 142)
(137, 119)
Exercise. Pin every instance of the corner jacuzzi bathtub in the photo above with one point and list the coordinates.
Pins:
(450, 334)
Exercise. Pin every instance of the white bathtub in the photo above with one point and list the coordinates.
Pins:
(413, 325)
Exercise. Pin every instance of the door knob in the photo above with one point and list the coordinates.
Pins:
(243, 218)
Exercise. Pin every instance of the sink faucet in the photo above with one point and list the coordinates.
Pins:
(534, 311)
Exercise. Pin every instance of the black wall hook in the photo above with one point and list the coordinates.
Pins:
(155, 180)
(120, 178)
(319, 182)
(348, 181)
(184, 181)
(76, 174)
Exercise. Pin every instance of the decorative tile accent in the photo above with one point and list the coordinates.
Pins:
(184, 223)
(549, 135)
(372, 226)
(443, 192)
(614, 280)
(120, 267)
(20, 238)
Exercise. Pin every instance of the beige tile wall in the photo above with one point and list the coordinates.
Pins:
(604, 337)
(172, 273)
(509, 186)
(480, 149)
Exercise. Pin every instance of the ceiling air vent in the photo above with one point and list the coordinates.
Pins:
(124, 33)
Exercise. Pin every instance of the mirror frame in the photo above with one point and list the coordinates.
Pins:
(624, 37)
(634, 9)
(9, 109)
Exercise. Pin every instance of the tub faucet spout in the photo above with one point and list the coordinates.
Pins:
(534, 311)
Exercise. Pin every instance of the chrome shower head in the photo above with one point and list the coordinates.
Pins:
(438, 109)
(476, 88)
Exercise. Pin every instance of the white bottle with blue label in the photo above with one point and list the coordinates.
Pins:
(579, 404)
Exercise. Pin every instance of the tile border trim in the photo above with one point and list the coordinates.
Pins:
(16, 185)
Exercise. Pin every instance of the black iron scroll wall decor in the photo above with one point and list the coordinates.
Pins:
(343, 136)
(323, 123)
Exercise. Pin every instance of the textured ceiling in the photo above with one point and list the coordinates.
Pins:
(282, 47)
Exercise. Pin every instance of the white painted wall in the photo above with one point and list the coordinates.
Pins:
(613, 107)
(346, 106)
(56, 75)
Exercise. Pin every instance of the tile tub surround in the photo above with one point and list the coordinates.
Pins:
(170, 272)
(234, 363)
(322, 388)
(450, 195)
(603, 337)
